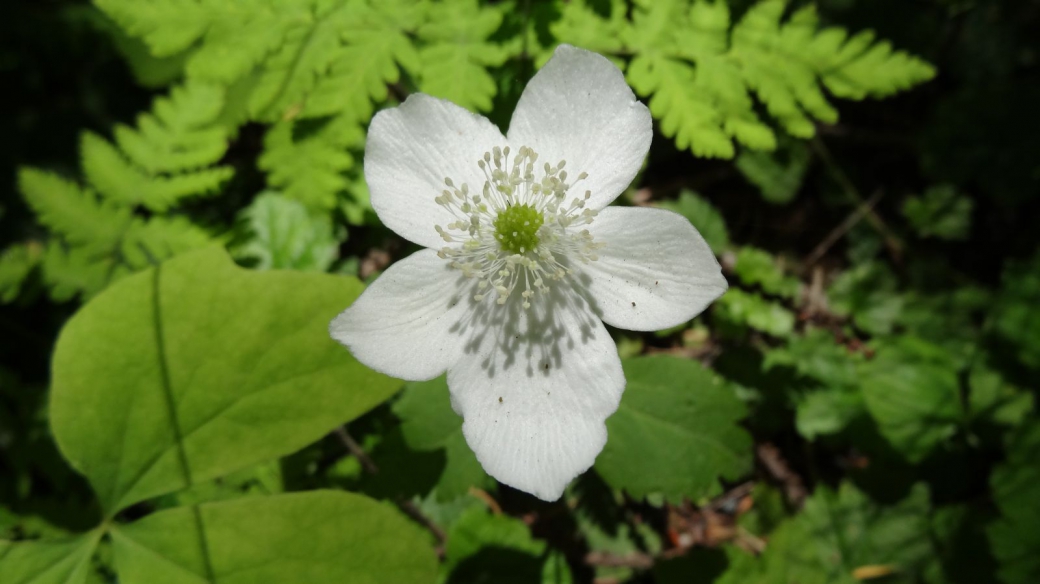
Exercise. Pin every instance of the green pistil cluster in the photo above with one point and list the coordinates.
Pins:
(516, 228)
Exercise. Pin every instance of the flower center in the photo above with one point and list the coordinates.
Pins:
(520, 232)
(516, 228)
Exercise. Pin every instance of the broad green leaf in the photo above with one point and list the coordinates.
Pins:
(1015, 537)
(285, 236)
(197, 368)
(491, 548)
(940, 212)
(429, 423)
(756, 267)
(703, 216)
(318, 537)
(48, 562)
(675, 432)
(913, 393)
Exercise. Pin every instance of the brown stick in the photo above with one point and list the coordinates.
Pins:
(863, 210)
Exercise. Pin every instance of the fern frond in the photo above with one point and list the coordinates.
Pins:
(309, 166)
(700, 75)
(581, 26)
(181, 133)
(148, 242)
(16, 263)
(72, 212)
(75, 271)
(118, 180)
(457, 53)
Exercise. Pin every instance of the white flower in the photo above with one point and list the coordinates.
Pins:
(525, 260)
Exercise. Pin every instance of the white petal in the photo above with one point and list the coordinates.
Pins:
(578, 108)
(534, 389)
(655, 272)
(402, 325)
(411, 149)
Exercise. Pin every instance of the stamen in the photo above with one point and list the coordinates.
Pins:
(518, 232)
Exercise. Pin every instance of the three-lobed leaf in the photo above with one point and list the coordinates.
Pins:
(429, 423)
(318, 537)
(48, 562)
(197, 368)
(676, 431)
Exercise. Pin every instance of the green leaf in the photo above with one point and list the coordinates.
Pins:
(16, 263)
(940, 212)
(48, 562)
(309, 163)
(913, 393)
(703, 216)
(838, 533)
(827, 411)
(757, 267)
(991, 397)
(429, 423)
(72, 212)
(1015, 537)
(491, 548)
(742, 308)
(778, 175)
(120, 181)
(675, 432)
(197, 368)
(457, 53)
(700, 76)
(580, 25)
(318, 537)
(181, 132)
(285, 236)
(1016, 314)
(817, 355)
(868, 294)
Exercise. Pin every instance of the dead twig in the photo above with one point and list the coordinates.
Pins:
(408, 507)
(356, 451)
(863, 210)
(892, 241)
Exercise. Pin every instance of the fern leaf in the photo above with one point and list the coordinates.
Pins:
(74, 271)
(119, 181)
(579, 25)
(457, 53)
(308, 164)
(149, 242)
(364, 66)
(701, 76)
(72, 212)
(167, 26)
(16, 263)
(180, 134)
(688, 117)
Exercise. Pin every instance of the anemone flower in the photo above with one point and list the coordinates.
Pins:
(525, 262)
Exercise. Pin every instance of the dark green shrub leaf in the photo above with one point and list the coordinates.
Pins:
(675, 432)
